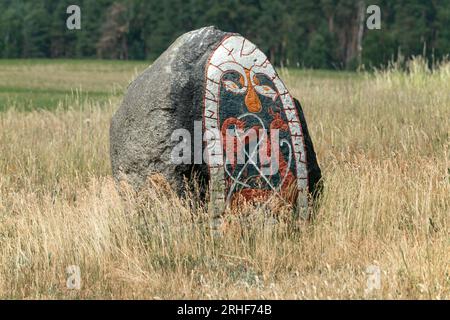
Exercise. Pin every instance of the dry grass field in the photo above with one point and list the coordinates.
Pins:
(382, 140)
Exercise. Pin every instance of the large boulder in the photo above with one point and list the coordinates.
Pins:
(224, 82)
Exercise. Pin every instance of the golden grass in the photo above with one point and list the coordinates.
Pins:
(383, 144)
(89, 75)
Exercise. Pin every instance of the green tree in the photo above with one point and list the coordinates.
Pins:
(11, 24)
(35, 30)
(310, 33)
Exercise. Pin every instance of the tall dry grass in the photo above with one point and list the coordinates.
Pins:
(383, 144)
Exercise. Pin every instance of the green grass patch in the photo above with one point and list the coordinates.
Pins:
(29, 84)
(26, 99)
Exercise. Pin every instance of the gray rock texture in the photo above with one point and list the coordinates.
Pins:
(165, 97)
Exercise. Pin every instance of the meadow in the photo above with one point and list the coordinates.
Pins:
(382, 140)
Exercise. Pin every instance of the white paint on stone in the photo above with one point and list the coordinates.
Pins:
(235, 53)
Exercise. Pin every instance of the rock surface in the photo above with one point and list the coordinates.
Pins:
(170, 95)
(165, 97)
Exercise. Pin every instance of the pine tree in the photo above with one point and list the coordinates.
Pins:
(311, 33)
(11, 25)
(35, 30)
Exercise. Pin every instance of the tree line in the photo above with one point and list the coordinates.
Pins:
(306, 33)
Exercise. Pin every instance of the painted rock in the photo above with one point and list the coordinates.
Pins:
(245, 137)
